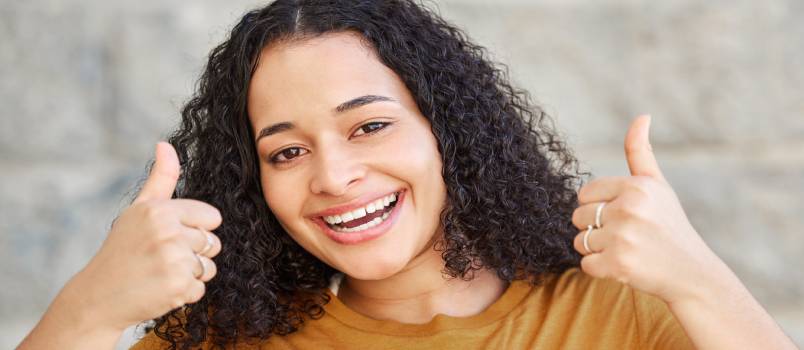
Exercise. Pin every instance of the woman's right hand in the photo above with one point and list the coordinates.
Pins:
(151, 260)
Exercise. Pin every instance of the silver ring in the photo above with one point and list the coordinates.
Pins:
(209, 243)
(586, 239)
(597, 214)
(203, 266)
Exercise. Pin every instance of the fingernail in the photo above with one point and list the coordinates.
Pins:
(650, 147)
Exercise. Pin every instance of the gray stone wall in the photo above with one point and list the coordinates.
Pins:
(87, 88)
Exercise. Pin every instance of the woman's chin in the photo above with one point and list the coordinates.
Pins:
(374, 269)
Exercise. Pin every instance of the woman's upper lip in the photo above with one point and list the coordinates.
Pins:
(353, 204)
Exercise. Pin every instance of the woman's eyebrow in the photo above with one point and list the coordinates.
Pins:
(273, 129)
(343, 107)
(360, 101)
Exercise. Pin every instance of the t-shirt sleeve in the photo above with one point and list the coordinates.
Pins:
(658, 327)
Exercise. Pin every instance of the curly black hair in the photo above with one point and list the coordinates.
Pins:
(511, 182)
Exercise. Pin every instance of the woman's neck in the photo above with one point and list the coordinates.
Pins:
(420, 291)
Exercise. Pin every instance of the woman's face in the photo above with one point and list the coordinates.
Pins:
(339, 136)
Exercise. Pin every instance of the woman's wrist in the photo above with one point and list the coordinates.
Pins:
(714, 281)
(84, 309)
(720, 313)
(69, 323)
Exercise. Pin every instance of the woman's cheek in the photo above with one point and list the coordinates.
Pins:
(280, 199)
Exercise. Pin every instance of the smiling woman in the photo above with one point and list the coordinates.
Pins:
(374, 182)
(357, 138)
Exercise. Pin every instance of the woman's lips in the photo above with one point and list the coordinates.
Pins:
(367, 234)
(357, 203)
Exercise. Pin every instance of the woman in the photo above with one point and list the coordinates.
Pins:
(374, 182)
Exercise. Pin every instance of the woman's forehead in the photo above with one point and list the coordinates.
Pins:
(318, 74)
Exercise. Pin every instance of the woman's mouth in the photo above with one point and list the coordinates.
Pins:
(363, 218)
(365, 223)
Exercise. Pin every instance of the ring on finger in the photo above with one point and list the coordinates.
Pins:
(598, 213)
(586, 240)
(210, 241)
(203, 267)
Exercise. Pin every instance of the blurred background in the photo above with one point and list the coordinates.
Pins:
(88, 87)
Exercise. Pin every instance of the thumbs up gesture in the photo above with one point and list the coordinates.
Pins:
(156, 256)
(634, 230)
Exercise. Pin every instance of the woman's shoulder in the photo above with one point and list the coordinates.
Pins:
(574, 283)
(573, 300)
(574, 289)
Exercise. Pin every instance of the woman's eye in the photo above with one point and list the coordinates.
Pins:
(369, 128)
(287, 154)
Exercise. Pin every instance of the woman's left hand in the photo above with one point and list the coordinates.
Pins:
(645, 239)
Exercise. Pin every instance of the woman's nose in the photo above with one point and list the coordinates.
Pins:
(335, 171)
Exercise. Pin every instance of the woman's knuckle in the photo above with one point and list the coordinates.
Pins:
(170, 233)
(212, 268)
(161, 228)
(637, 212)
(195, 294)
(174, 286)
(576, 216)
(627, 208)
(642, 185)
(153, 210)
(583, 194)
(624, 240)
(217, 216)
(214, 273)
(217, 246)
(169, 254)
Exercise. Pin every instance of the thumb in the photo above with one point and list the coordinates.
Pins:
(638, 152)
(164, 175)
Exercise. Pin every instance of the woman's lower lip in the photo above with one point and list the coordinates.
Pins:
(367, 234)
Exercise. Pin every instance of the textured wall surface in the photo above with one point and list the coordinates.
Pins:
(88, 87)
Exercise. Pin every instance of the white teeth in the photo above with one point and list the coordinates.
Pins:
(372, 207)
(365, 226)
(359, 213)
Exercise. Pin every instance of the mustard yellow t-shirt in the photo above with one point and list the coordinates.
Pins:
(567, 311)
